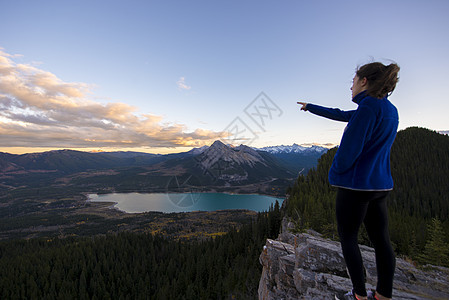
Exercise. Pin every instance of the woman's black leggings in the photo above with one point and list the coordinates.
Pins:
(370, 207)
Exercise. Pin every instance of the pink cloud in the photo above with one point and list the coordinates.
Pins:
(38, 109)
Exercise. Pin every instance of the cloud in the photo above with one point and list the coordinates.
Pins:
(182, 84)
(38, 109)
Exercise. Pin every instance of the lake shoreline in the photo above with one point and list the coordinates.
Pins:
(172, 202)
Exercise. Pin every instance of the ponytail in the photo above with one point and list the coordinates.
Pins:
(381, 79)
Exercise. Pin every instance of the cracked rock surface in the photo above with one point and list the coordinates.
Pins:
(307, 266)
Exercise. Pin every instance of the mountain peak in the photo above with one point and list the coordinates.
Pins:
(218, 151)
(218, 145)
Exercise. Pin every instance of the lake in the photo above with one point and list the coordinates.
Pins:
(185, 202)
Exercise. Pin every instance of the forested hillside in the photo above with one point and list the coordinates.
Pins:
(418, 205)
(137, 266)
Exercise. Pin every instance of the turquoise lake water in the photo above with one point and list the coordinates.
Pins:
(186, 202)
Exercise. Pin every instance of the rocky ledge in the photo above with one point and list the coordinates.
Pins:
(308, 266)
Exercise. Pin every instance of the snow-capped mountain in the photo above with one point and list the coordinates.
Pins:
(218, 166)
(295, 148)
(223, 165)
(294, 157)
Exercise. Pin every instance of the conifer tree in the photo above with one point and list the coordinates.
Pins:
(436, 250)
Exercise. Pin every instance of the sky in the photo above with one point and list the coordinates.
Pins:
(166, 76)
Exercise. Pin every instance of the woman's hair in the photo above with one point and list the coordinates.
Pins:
(381, 79)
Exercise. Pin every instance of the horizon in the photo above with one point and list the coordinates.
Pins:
(18, 152)
(174, 150)
(180, 75)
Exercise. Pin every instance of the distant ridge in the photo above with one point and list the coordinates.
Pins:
(295, 148)
(293, 158)
(70, 161)
(214, 167)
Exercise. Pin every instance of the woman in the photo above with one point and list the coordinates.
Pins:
(361, 172)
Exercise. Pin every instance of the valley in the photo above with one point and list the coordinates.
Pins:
(44, 194)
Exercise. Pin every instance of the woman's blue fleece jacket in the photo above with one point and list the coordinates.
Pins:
(362, 161)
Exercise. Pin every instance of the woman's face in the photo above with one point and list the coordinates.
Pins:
(358, 85)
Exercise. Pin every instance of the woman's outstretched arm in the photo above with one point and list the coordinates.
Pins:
(330, 113)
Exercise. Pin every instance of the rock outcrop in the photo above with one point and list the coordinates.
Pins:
(308, 266)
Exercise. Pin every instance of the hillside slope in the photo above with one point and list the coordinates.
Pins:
(70, 161)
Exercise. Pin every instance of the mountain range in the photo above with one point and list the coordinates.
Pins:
(215, 165)
(70, 161)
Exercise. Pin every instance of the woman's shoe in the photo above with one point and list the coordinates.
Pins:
(350, 296)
